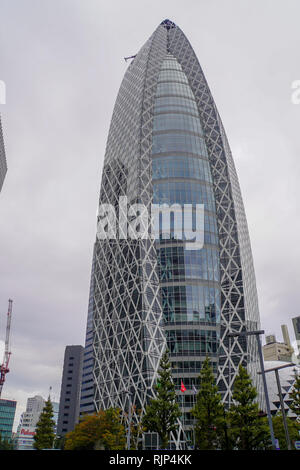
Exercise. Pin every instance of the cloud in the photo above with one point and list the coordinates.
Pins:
(62, 62)
(2, 345)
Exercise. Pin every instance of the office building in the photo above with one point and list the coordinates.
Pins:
(28, 421)
(167, 145)
(87, 405)
(7, 416)
(70, 389)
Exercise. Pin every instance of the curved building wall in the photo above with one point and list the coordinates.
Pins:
(166, 144)
(128, 338)
(189, 279)
(3, 165)
(239, 305)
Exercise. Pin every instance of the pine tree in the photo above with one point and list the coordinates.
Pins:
(163, 411)
(248, 429)
(209, 412)
(44, 436)
(294, 395)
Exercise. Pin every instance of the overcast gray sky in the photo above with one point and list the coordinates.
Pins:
(62, 62)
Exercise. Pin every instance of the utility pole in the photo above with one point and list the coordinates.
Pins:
(129, 419)
(257, 335)
(6, 356)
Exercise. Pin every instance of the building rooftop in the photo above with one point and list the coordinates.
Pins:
(168, 24)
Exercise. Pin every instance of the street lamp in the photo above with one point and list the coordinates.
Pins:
(257, 335)
(286, 430)
(129, 419)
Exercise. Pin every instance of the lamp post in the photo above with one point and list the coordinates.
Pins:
(286, 430)
(257, 334)
(129, 419)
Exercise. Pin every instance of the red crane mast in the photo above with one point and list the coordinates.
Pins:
(6, 356)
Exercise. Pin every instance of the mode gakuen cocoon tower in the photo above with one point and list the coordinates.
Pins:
(167, 145)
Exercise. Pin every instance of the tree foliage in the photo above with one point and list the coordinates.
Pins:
(210, 426)
(136, 428)
(163, 411)
(59, 442)
(6, 444)
(248, 430)
(44, 436)
(103, 430)
(279, 433)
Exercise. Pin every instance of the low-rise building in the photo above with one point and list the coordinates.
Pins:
(274, 350)
(287, 380)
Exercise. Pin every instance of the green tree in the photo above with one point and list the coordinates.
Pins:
(44, 436)
(248, 430)
(210, 427)
(294, 395)
(59, 442)
(279, 432)
(103, 430)
(163, 411)
(136, 428)
(6, 444)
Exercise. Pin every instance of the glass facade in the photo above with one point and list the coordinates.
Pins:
(87, 391)
(181, 167)
(7, 416)
(190, 304)
(167, 145)
(178, 142)
(189, 279)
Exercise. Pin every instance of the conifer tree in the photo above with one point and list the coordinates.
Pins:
(248, 429)
(209, 412)
(163, 411)
(294, 395)
(44, 436)
(279, 432)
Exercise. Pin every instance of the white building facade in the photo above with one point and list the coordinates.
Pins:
(28, 421)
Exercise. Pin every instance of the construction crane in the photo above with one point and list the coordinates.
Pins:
(131, 57)
(6, 356)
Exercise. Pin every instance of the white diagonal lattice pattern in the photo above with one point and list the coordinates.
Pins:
(128, 328)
